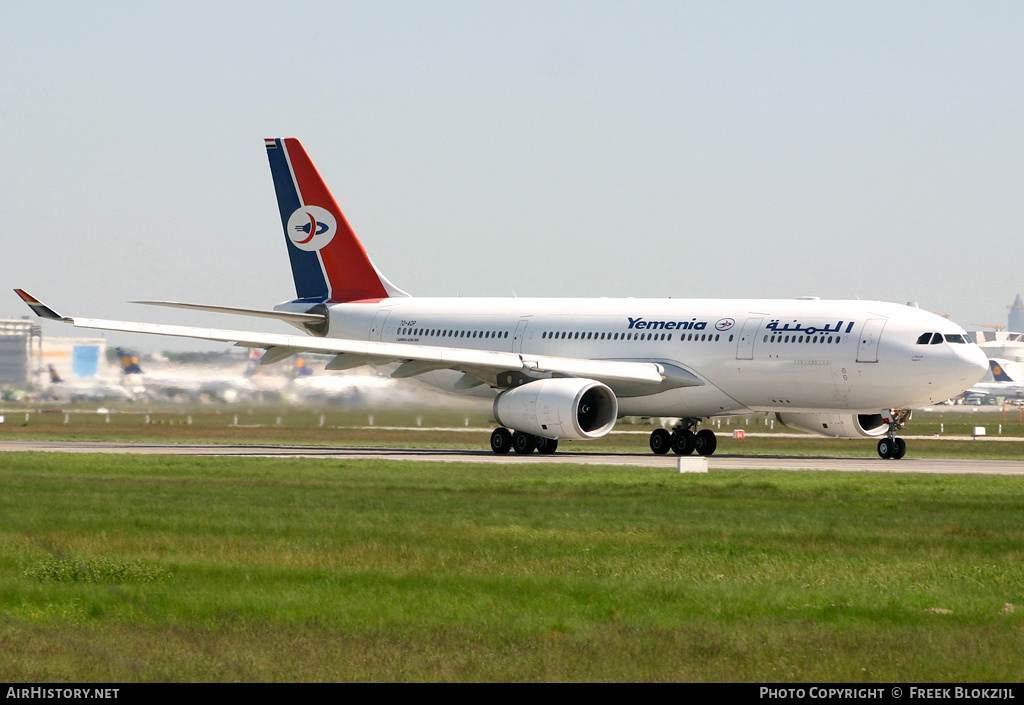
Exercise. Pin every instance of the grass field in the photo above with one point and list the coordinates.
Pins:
(162, 568)
(945, 432)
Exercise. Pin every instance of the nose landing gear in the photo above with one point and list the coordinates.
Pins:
(891, 447)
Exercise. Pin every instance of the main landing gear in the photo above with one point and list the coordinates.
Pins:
(891, 447)
(503, 440)
(683, 440)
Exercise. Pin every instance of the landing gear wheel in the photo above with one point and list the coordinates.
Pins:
(684, 442)
(892, 447)
(501, 441)
(661, 441)
(523, 443)
(705, 442)
(546, 446)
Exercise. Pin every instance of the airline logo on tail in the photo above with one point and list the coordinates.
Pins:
(328, 261)
(311, 228)
(129, 362)
(998, 373)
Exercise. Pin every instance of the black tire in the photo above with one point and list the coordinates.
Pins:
(523, 443)
(901, 448)
(886, 448)
(501, 441)
(661, 441)
(683, 442)
(546, 446)
(706, 442)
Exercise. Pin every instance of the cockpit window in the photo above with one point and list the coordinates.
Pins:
(936, 338)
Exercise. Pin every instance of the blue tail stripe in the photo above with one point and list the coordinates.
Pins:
(306, 270)
(998, 373)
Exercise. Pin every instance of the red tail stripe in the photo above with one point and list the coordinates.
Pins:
(349, 270)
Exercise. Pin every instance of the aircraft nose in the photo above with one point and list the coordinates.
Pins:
(973, 362)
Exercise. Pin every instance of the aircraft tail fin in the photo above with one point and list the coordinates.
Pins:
(129, 362)
(301, 368)
(998, 373)
(328, 261)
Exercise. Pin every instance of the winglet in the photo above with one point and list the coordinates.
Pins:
(38, 307)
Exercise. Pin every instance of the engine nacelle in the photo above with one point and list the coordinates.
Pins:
(571, 408)
(836, 425)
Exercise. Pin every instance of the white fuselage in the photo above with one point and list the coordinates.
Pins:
(797, 355)
(1006, 390)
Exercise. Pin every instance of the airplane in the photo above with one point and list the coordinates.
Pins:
(229, 384)
(1004, 345)
(362, 389)
(129, 388)
(1002, 385)
(567, 369)
(223, 383)
(129, 362)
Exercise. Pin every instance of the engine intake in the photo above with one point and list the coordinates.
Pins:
(836, 425)
(571, 408)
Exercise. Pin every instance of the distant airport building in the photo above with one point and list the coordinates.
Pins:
(1016, 322)
(74, 358)
(20, 348)
(29, 360)
(1004, 342)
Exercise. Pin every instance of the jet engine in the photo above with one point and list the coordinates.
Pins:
(570, 408)
(836, 425)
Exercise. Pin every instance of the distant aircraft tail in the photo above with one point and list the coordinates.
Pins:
(129, 362)
(328, 262)
(998, 373)
(252, 364)
(301, 369)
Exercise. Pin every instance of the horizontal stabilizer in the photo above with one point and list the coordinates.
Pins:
(287, 316)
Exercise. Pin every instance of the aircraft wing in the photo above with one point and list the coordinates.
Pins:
(482, 366)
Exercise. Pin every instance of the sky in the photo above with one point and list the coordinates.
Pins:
(869, 150)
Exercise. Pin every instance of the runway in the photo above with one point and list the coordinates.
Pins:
(638, 460)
